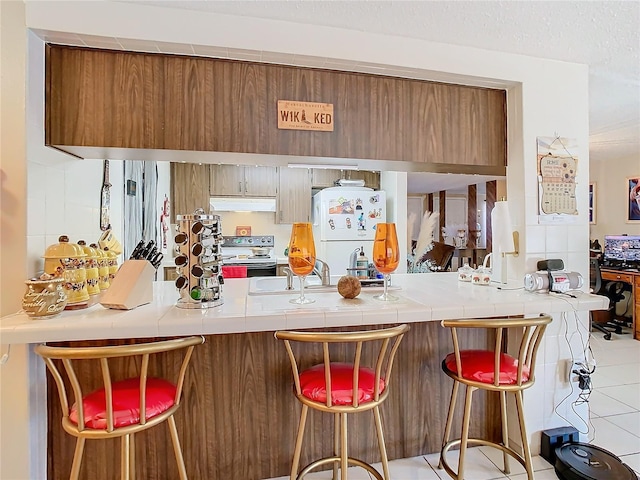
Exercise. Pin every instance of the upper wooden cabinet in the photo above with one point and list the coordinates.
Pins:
(189, 188)
(118, 99)
(323, 178)
(371, 179)
(243, 181)
(293, 203)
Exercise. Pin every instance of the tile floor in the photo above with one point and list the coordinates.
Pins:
(614, 424)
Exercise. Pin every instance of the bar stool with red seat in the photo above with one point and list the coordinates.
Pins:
(115, 409)
(493, 370)
(329, 386)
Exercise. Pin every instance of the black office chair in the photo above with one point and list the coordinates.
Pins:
(613, 291)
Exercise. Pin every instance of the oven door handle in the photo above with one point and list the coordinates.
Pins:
(257, 265)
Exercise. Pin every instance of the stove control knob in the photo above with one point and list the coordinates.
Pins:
(250, 240)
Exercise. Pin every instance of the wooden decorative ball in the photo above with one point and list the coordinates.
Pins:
(349, 287)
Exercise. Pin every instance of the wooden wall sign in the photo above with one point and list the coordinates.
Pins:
(305, 116)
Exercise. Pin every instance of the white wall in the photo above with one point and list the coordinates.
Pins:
(17, 378)
(13, 174)
(544, 97)
(611, 196)
(63, 193)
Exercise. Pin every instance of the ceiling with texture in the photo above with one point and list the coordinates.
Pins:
(603, 34)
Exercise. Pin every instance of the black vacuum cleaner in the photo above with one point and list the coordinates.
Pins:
(581, 461)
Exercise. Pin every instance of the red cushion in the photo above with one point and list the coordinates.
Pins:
(478, 365)
(314, 387)
(126, 403)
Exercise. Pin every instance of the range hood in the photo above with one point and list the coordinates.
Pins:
(242, 204)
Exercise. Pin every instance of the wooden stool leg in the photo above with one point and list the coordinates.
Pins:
(505, 430)
(464, 437)
(344, 464)
(383, 448)
(176, 448)
(124, 458)
(336, 443)
(77, 459)
(447, 428)
(132, 456)
(523, 433)
(298, 447)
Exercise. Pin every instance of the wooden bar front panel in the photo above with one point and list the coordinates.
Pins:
(239, 416)
(105, 98)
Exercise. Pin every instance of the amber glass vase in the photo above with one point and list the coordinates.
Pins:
(386, 255)
(302, 256)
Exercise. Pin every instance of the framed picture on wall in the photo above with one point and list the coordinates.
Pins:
(592, 203)
(633, 199)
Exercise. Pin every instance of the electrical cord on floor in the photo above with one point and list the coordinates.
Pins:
(584, 375)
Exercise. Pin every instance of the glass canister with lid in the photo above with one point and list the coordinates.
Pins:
(91, 266)
(67, 260)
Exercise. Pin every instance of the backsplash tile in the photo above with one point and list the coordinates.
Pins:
(64, 199)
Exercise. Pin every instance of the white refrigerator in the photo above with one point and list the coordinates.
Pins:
(345, 218)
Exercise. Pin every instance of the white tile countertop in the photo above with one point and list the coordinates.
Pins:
(423, 297)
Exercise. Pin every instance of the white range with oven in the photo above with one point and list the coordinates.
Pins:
(254, 252)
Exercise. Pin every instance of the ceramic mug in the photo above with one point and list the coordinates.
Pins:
(109, 240)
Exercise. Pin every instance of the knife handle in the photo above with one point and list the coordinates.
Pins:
(136, 251)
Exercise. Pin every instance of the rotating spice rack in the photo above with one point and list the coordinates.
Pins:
(198, 261)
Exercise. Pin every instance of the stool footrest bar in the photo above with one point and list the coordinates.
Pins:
(350, 460)
(475, 442)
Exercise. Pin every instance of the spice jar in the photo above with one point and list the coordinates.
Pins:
(66, 259)
(103, 268)
(91, 266)
(44, 297)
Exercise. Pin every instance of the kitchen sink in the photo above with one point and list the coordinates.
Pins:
(278, 285)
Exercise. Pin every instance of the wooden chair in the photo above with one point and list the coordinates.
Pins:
(441, 254)
(114, 410)
(493, 370)
(329, 387)
(613, 291)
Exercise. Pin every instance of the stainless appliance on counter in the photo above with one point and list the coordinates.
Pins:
(253, 252)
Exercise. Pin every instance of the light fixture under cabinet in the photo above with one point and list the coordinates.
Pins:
(242, 204)
(323, 166)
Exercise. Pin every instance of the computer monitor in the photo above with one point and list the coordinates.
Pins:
(622, 249)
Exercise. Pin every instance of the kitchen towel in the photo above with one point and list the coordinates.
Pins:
(234, 271)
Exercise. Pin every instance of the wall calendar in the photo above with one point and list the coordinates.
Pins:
(557, 169)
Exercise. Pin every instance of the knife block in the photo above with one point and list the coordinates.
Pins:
(131, 287)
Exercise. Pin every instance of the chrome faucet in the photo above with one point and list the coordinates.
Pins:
(289, 273)
(322, 270)
(353, 263)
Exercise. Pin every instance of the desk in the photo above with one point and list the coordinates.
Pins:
(632, 278)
